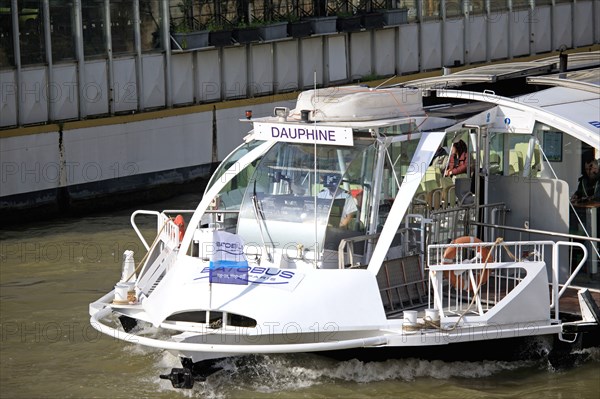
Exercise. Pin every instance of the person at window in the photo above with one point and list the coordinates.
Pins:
(350, 210)
(588, 187)
(457, 163)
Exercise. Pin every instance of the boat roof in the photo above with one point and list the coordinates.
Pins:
(572, 105)
(576, 60)
(483, 74)
(506, 71)
(586, 80)
(358, 103)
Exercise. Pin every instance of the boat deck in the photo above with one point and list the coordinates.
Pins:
(569, 303)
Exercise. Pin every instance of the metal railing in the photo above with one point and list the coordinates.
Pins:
(478, 282)
(450, 223)
(346, 248)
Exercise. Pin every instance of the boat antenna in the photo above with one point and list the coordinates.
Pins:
(384, 82)
(315, 172)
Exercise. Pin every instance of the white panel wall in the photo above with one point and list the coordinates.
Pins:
(65, 96)
(124, 85)
(33, 95)
(561, 24)
(360, 55)
(476, 38)
(454, 45)
(408, 51)
(286, 65)
(183, 78)
(498, 39)
(312, 60)
(105, 152)
(337, 54)
(519, 33)
(8, 98)
(385, 51)
(29, 163)
(153, 79)
(262, 69)
(582, 24)
(234, 78)
(431, 45)
(542, 30)
(94, 90)
(208, 75)
(33, 162)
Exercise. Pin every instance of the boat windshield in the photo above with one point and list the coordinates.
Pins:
(302, 195)
(230, 196)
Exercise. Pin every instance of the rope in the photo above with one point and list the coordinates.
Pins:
(149, 250)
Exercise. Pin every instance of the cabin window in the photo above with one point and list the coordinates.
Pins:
(558, 152)
(230, 196)
(515, 155)
(438, 190)
(292, 190)
(496, 154)
(397, 164)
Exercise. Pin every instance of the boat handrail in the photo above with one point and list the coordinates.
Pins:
(348, 242)
(535, 231)
(557, 289)
(158, 221)
(556, 294)
(137, 230)
(167, 211)
(505, 259)
(548, 233)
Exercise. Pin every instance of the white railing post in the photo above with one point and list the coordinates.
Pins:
(555, 279)
(137, 230)
(579, 266)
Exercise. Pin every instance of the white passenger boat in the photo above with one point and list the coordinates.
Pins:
(335, 229)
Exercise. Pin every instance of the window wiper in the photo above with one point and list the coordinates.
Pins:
(260, 216)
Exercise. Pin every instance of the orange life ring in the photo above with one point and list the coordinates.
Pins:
(456, 280)
(180, 222)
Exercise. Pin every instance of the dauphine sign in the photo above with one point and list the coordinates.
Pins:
(304, 133)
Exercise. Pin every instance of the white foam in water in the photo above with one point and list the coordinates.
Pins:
(594, 354)
(293, 372)
(285, 373)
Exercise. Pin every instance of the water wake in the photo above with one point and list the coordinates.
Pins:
(293, 372)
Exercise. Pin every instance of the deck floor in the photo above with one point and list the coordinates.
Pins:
(569, 303)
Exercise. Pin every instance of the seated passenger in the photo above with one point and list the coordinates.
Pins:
(350, 209)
